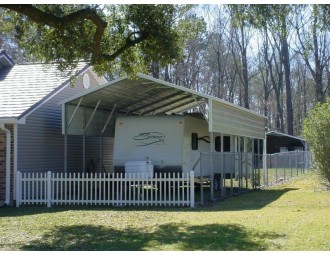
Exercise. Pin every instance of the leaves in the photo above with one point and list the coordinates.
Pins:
(316, 130)
(128, 36)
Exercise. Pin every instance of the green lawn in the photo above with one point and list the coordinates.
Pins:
(292, 216)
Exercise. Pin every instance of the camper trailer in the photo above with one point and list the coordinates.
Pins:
(169, 143)
(172, 143)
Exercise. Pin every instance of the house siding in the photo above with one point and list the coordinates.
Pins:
(41, 142)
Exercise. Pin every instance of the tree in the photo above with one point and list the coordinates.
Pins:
(186, 72)
(218, 54)
(316, 130)
(240, 23)
(7, 40)
(276, 17)
(106, 36)
(313, 39)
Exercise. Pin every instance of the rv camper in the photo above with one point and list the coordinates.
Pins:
(169, 143)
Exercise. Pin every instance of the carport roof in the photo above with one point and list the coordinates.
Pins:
(279, 134)
(144, 96)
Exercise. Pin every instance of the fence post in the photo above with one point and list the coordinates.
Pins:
(192, 189)
(49, 189)
(18, 188)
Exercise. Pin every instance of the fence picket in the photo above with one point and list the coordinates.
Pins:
(116, 189)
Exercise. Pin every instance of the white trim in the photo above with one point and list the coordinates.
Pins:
(45, 101)
(83, 93)
(54, 94)
(3, 54)
(210, 113)
(12, 121)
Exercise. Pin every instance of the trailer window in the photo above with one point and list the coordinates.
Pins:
(217, 143)
(194, 141)
(226, 143)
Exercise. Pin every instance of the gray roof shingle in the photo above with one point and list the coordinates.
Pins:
(23, 86)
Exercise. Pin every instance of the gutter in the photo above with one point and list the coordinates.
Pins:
(8, 156)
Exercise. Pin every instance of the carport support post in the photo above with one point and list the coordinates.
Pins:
(222, 178)
(66, 127)
(18, 188)
(212, 165)
(192, 189)
(65, 151)
(264, 162)
(84, 143)
(49, 189)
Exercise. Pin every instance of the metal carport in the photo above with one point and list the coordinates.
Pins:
(93, 112)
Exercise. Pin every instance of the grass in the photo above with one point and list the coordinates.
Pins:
(292, 216)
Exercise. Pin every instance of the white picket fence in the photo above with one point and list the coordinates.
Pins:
(104, 189)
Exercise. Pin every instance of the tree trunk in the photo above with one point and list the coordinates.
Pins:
(155, 69)
(167, 75)
(286, 64)
(245, 80)
(320, 97)
(244, 69)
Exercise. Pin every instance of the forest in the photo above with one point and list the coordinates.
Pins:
(272, 59)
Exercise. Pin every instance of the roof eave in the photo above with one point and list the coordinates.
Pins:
(51, 94)
(12, 120)
(4, 58)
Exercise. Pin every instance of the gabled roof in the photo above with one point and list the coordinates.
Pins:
(5, 60)
(23, 87)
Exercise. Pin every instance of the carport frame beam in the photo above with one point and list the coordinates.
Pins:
(92, 116)
(108, 119)
(73, 114)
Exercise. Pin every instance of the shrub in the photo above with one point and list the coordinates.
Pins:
(316, 130)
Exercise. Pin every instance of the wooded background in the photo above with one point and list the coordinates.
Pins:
(272, 59)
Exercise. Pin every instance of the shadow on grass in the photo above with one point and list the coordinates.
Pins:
(27, 210)
(253, 200)
(168, 236)
(248, 201)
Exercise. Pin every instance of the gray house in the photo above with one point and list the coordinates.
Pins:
(30, 120)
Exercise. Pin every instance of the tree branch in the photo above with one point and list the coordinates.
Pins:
(128, 44)
(40, 17)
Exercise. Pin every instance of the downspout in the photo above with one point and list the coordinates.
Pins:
(8, 156)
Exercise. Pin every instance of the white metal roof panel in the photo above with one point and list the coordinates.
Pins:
(150, 96)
